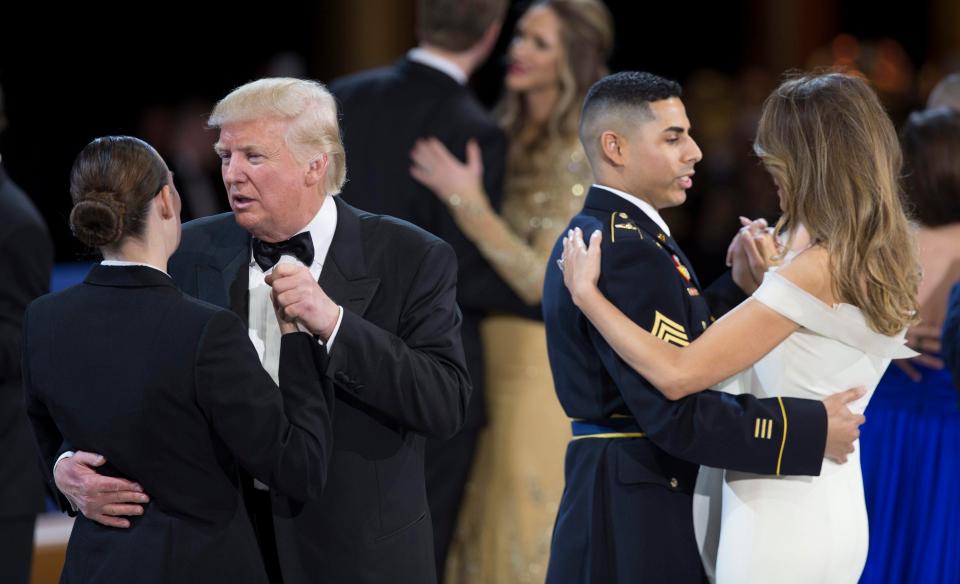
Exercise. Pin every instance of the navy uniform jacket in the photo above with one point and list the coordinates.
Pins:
(170, 391)
(626, 514)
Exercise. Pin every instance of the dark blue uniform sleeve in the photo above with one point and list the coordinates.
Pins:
(766, 436)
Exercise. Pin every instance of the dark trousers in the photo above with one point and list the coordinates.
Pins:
(448, 465)
(261, 515)
(16, 549)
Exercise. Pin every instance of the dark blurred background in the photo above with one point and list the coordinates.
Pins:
(71, 74)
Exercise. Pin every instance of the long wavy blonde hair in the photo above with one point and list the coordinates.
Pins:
(834, 153)
(586, 39)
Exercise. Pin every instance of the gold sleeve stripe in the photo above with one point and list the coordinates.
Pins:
(612, 435)
(756, 429)
(783, 441)
(613, 232)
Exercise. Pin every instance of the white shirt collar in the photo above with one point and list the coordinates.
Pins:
(644, 206)
(321, 229)
(434, 61)
(126, 263)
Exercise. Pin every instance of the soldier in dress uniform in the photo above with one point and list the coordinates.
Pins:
(632, 464)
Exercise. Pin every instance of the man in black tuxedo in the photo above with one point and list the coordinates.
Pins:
(384, 112)
(384, 307)
(26, 262)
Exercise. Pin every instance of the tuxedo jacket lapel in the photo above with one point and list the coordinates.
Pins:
(221, 270)
(344, 275)
(236, 275)
(353, 295)
(225, 282)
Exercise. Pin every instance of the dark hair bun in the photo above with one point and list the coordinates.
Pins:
(97, 219)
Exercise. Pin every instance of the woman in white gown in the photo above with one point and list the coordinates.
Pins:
(832, 315)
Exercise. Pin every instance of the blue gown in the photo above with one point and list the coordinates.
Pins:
(910, 452)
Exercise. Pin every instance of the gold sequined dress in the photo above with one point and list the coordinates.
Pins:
(510, 505)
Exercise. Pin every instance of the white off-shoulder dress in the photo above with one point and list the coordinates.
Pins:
(765, 529)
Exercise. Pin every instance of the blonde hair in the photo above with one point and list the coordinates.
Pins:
(310, 109)
(835, 155)
(586, 39)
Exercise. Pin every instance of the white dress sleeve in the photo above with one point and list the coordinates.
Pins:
(841, 322)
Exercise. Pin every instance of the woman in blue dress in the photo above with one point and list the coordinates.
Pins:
(910, 445)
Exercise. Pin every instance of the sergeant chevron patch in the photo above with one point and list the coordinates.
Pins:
(669, 331)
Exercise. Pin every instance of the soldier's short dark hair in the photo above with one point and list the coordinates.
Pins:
(634, 89)
(619, 99)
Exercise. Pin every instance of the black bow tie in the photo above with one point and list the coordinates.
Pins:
(268, 254)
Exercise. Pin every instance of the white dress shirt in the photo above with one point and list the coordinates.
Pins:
(126, 263)
(644, 206)
(264, 330)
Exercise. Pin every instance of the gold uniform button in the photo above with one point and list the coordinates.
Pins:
(674, 483)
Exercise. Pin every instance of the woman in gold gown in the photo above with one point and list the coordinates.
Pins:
(559, 50)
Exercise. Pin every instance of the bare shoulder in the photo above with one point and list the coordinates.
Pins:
(810, 271)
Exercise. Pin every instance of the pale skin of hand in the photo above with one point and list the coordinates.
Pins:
(925, 339)
(446, 176)
(298, 297)
(751, 253)
(753, 328)
(106, 500)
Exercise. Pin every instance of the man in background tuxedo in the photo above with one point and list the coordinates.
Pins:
(26, 262)
(384, 112)
(379, 293)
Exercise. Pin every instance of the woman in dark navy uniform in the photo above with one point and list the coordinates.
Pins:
(167, 387)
